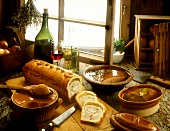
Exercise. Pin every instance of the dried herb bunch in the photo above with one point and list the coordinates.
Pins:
(27, 15)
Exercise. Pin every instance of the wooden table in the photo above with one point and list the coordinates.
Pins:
(73, 122)
(161, 118)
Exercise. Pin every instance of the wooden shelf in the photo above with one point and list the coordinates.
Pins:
(145, 49)
(144, 28)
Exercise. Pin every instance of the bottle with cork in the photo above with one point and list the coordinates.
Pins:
(44, 41)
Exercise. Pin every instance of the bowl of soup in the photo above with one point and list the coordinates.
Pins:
(32, 109)
(142, 100)
(107, 77)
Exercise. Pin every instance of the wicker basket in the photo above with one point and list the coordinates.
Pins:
(14, 61)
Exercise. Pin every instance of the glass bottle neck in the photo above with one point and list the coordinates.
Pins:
(45, 20)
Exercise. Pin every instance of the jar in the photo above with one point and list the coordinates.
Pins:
(71, 59)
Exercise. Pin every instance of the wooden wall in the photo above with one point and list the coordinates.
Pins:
(7, 9)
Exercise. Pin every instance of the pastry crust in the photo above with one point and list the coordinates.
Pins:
(65, 82)
(83, 96)
(92, 112)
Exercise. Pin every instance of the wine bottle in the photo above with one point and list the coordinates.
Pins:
(44, 41)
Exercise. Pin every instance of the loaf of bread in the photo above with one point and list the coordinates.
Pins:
(65, 82)
(92, 112)
(83, 96)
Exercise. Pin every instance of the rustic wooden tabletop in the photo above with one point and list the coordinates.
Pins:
(161, 118)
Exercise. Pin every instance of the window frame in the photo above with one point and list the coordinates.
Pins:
(109, 32)
(108, 25)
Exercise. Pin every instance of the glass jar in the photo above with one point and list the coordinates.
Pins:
(71, 59)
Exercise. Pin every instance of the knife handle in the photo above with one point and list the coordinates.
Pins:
(48, 127)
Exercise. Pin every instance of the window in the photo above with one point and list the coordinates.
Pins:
(86, 24)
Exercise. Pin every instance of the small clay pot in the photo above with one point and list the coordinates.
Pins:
(35, 110)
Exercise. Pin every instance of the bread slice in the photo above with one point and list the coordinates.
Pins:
(92, 112)
(83, 96)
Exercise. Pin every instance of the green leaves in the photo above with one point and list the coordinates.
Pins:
(27, 15)
(119, 45)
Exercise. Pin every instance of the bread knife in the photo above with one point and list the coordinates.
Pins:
(60, 119)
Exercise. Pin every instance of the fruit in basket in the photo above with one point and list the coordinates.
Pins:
(4, 51)
(3, 44)
(14, 48)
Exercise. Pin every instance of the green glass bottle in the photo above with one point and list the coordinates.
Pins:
(44, 41)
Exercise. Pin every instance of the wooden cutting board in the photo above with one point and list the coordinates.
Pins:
(73, 123)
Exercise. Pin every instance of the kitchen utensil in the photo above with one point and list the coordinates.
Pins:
(60, 119)
(32, 89)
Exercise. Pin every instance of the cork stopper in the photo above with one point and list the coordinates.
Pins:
(45, 10)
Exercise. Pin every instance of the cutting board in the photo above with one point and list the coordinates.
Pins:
(73, 123)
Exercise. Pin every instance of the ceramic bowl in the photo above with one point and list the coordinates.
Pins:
(142, 100)
(117, 57)
(107, 77)
(130, 122)
(35, 110)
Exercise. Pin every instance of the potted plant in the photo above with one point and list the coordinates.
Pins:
(118, 50)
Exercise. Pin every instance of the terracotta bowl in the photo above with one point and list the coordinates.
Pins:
(107, 77)
(35, 110)
(142, 100)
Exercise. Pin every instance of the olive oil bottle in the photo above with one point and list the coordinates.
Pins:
(44, 41)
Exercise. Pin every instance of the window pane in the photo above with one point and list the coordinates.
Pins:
(31, 32)
(84, 36)
(52, 6)
(86, 9)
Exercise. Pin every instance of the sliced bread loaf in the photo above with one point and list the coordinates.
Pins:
(83, 96)
(92, 112)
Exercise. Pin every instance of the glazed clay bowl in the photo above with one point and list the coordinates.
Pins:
(130, 122)
(107, 77)
(32, 109)
(141, 100)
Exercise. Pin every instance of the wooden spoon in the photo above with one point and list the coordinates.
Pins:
(40, 90)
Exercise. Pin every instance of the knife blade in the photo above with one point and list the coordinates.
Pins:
(60, 119)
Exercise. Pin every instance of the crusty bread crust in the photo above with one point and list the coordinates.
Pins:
(41, 72)
(83, 94)
(98, 105)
